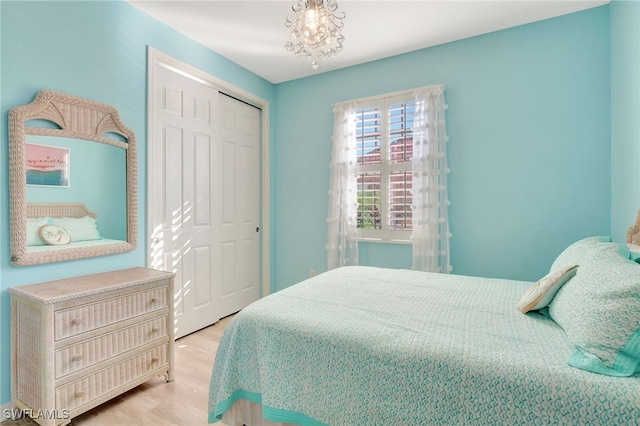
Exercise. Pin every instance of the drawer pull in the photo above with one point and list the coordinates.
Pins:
(77, 357)
(155, 329)
(155, 359)
(76, 321)
(153, 300)
(79, 394)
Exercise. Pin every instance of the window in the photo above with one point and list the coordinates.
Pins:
(384, 134)
(388, 179)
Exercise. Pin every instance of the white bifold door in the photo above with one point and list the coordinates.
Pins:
(204, 197)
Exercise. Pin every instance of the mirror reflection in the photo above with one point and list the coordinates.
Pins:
(94, 174)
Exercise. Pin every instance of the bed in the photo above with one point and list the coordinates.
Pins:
(363, 345)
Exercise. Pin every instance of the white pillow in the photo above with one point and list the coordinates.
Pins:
(543, 292)
(33, 230)
(79, 229)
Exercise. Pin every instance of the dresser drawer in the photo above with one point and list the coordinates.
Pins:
(83, 318)
(107, 381)
(89, 352)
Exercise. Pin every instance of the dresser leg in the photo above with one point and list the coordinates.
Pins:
(168, 376)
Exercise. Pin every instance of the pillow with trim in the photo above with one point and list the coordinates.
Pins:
(541, 293)
(54, 235)
(599, 309)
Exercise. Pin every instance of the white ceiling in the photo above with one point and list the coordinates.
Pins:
(252, 33)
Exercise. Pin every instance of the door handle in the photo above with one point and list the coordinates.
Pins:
(257, 229)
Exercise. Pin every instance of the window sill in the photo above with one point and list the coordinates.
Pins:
(380, 240)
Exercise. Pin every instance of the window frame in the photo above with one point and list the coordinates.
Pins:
(385, 234)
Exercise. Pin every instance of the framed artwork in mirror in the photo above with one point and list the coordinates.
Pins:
(47, 165)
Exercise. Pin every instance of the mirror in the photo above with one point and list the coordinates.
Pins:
(72, 178)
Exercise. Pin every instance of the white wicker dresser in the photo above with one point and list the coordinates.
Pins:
(81, 341)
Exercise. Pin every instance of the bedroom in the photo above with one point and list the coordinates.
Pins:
(527, 99)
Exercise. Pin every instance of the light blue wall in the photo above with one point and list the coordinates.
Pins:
(96, 50)
(529, 151)
(625, 116)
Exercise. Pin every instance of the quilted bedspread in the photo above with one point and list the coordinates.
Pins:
(371, 346)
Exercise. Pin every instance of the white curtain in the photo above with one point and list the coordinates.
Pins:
(342, 238)
(430, 235)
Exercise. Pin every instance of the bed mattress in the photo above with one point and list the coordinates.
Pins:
(362, 346)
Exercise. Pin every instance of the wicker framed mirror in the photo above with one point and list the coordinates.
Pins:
(73, 172)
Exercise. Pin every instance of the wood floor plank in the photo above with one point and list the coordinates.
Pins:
(157, 403)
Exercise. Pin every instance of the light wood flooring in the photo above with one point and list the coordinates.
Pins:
(182, 402)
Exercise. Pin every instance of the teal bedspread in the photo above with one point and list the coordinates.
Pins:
(371, 346)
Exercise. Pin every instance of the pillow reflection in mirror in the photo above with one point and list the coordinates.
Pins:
(54, 235)
(79, 229)
(33, 230)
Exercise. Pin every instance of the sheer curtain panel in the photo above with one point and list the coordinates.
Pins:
(430, 235)
(342, 238)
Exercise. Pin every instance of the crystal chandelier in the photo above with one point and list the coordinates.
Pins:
(315, 29)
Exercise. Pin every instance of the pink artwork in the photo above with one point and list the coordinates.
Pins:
(47, 165)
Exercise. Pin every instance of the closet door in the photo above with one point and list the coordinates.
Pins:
(201, 198)
(238, 211)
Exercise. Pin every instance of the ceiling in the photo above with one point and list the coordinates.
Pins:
(252, 33)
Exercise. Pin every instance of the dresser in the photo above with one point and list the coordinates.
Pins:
(81, 341)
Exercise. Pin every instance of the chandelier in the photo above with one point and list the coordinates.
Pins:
(315, 30)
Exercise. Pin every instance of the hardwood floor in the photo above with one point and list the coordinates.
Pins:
(156, 403)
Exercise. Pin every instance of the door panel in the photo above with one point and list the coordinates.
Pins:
(182, 190)
(239, 227)
(202, 167)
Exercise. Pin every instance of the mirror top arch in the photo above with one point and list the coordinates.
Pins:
(75, 117)
(70, 117)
